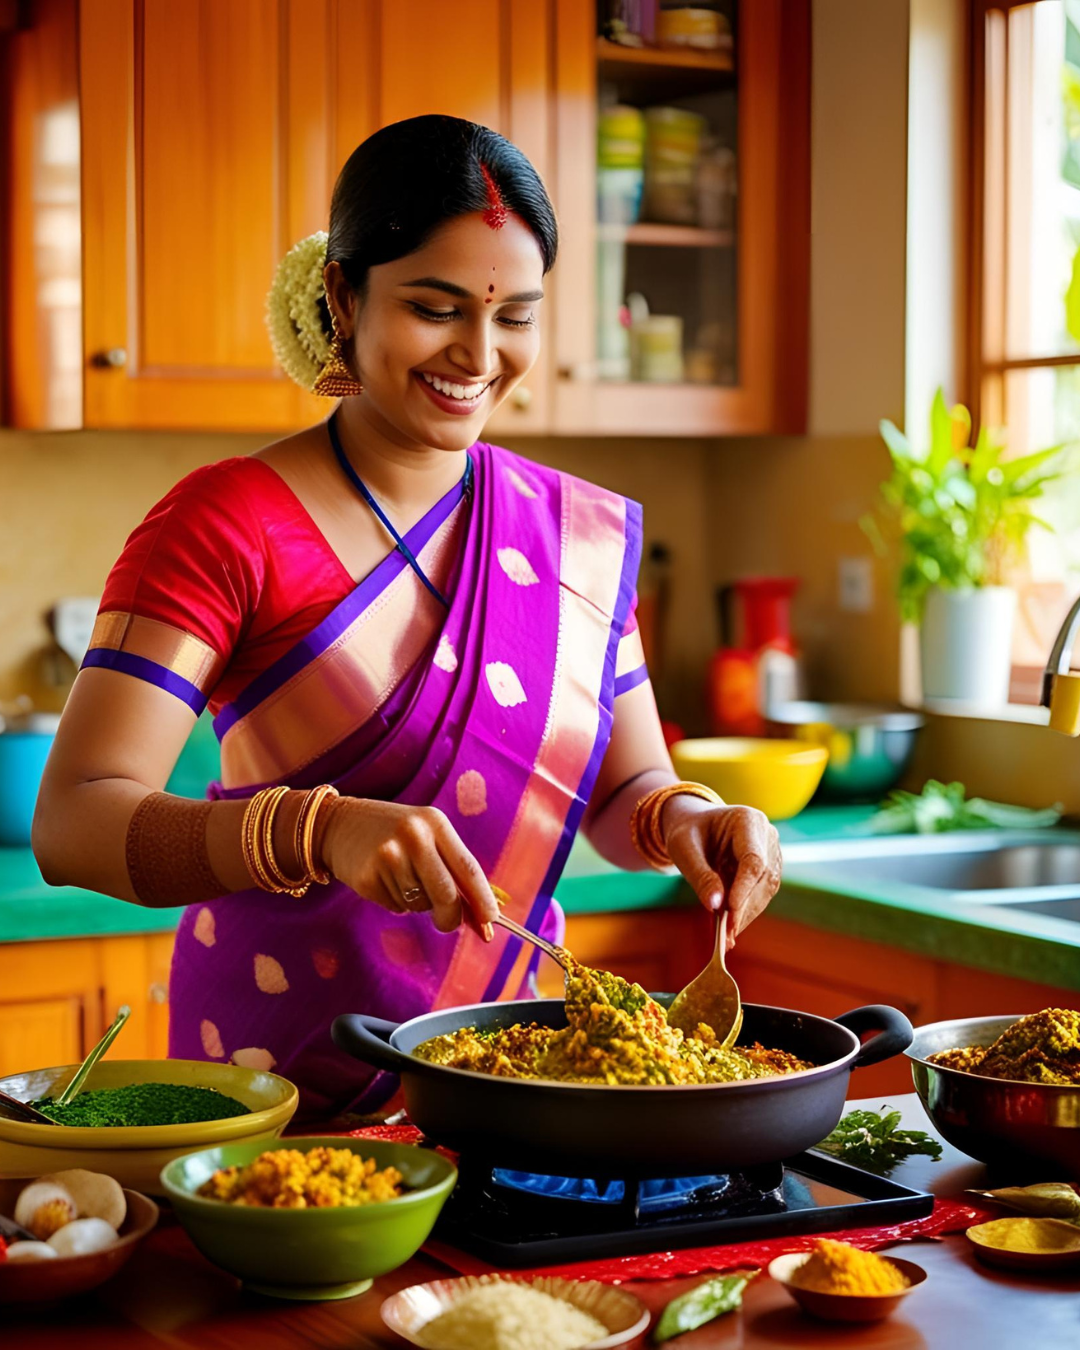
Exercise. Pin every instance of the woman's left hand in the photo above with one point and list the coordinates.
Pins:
(729, 854)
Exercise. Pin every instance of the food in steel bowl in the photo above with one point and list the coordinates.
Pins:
(1043, 1047)
(615, 1034)
(314, 1251)
(287, 1178)
(869, 745)
(1004, 1121)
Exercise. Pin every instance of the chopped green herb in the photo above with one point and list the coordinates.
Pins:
(701, 1304)
(143, 1104)
(866, 1139)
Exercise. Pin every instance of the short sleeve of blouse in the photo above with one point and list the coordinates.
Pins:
(178, 599)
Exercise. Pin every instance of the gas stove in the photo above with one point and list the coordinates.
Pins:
(514, 1218)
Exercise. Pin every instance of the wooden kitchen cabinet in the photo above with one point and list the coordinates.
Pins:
(211, 135)
(165, 155)
(740, 293)
(57, 998)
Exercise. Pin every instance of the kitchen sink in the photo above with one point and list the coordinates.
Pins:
(1012, 867)
(1038, 870)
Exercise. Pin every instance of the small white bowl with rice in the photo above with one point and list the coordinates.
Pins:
(496, 1312)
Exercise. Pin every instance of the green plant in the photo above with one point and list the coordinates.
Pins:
(961, 512)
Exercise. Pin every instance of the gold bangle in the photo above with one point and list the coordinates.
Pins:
(258, 825)
(258, 845)
(305, 833)
(248, 835)
(283, 884)
(645, 831)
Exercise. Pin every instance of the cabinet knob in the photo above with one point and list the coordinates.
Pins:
(578, 370)
(114, 358)
(521, 398)
(158, 992)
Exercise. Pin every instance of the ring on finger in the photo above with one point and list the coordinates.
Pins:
(412, 895)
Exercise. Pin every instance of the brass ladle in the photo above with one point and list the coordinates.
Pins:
(712, 998)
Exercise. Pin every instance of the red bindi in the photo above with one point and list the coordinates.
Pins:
(495, 212)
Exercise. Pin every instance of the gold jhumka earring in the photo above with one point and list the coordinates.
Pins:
(336, 380)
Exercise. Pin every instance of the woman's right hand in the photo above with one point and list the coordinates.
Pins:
(386, 851)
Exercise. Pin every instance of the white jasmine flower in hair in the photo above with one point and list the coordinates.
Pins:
(293, 318)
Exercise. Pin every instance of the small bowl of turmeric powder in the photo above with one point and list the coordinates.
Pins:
(841, 1283)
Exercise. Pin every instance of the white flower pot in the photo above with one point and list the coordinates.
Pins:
(966, 644)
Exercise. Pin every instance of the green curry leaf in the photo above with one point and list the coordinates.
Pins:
(701, 1304)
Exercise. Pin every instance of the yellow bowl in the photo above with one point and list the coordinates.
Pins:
(778, 777)
(135, 1155)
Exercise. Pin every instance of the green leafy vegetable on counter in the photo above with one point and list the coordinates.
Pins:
(945, 806)
(701, 1304)
(872, 1141)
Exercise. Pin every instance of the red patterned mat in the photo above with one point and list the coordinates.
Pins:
(948, 1216)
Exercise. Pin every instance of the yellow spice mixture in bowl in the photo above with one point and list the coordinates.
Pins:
(322, 1178)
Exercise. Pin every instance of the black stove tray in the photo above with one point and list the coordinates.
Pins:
(819, 1194)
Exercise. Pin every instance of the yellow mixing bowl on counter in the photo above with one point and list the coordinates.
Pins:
(135, 1154)
(777, 777)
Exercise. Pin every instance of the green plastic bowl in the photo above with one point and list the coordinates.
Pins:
(311, 1253)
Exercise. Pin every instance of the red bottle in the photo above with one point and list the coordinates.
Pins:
(758, 665)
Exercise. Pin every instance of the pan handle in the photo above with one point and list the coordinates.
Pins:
(368, 1038)
(894, 1032)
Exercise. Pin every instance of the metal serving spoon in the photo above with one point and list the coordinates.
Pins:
(23, 1110)
(83, 1072)
(712, 998)
(557, 954)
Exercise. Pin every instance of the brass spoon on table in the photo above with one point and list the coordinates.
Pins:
(712, 998)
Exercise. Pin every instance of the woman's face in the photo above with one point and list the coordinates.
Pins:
(443, 335)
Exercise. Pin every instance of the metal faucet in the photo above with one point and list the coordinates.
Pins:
(1060, 685)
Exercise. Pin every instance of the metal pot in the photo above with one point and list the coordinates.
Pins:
(993, 1119)
(869, 746)
(570, 1129)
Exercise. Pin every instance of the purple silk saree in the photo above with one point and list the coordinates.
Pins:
(497, 711)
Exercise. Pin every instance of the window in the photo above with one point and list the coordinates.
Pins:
(1026, 272)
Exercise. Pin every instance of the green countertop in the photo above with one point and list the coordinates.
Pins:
(935, 923)
(30, 909)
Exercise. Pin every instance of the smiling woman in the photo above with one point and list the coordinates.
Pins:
(420, 650)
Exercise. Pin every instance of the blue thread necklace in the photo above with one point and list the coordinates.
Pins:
(361, 487)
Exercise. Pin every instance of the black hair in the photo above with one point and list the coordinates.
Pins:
(403, 182)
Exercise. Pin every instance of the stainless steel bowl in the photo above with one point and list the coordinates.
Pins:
(869, 745)
(994, 1119)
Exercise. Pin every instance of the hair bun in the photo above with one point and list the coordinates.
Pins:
(293, 314)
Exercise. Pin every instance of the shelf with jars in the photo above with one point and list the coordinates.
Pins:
(685, 290)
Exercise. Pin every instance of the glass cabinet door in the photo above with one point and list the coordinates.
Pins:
(669, 191)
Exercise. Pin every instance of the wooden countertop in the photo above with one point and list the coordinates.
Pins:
(169, 1296)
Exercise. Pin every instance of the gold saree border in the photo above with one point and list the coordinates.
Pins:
(593, 528)
(184, 654)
